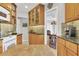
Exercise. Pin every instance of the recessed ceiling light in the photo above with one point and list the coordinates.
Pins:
(26, 7)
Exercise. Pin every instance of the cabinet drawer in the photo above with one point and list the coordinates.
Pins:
(70, 53)
(71, 46)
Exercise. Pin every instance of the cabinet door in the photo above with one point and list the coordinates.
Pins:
(32, 38)
(6, 5)
(69, 12)
(0, 50)
(36, 39)
(41, 15)
(71, 46)
(78, 50)
(1, 47)
(58, 49)
(61, 49)
(76, 10)
(19, 39)
(71, 53)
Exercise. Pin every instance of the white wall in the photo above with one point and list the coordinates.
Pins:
(61, 16)
(18, 26)
(20, 21)
(25, 32)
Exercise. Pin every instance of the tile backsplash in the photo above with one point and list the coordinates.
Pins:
(39, 29)
(6, 28)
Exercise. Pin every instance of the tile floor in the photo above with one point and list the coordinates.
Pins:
(31, 50)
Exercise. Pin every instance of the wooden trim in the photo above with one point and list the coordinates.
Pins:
(72, 20)
(5, 8)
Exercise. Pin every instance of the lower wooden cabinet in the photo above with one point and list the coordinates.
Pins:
(19, 39)
(78, 50)
(70, 53)
(62, 50)
(71, 46)
(1, 50)
(66, 48)
(36, 39)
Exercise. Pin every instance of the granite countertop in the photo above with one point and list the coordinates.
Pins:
(73, 40)
(37, 33)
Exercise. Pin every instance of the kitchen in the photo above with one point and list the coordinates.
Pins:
(55, 25)
(8, 33)
(68, 43)
(13, 27)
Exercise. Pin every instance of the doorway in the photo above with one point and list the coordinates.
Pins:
(52, 26)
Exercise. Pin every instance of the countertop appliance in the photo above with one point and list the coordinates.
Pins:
(70, 31)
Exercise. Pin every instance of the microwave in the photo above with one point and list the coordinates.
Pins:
(70, 31)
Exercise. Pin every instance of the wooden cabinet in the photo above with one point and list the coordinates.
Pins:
(76, 10)
(6, 6)
(36, 39)
(66, 48)
(71, 49)
(11, 7)
(36, 15)
(70, 52)
(19, 39)
(71, 11)
(61, 50)
(78, 50)
(36, 18)
(13, 14)
(71, 46)
(1, 50)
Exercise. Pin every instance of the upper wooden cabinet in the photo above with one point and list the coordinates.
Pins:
(71, 11)
(11, 7)
(36, 15)
(13, 14)
(6, 6)
(76, 10)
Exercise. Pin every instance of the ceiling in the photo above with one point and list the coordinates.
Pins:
(22, 11)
